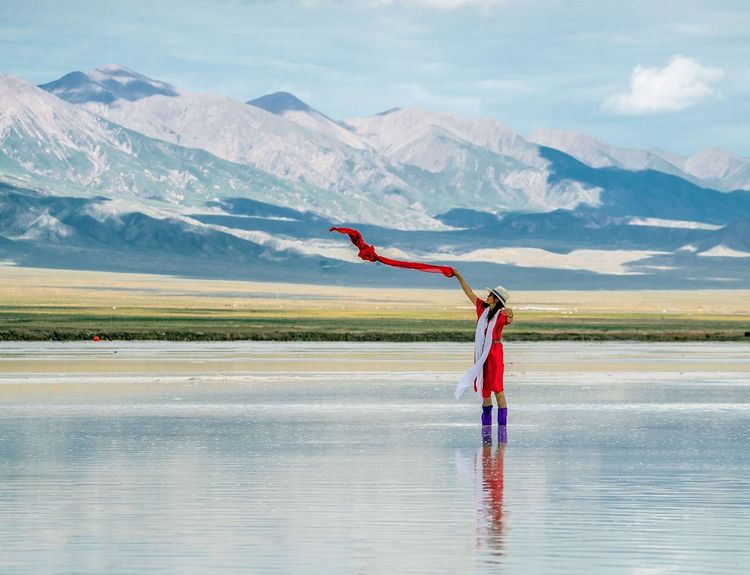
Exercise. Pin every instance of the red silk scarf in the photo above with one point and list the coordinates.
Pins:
(367, 252)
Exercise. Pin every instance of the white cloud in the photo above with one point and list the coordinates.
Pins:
(682, 83)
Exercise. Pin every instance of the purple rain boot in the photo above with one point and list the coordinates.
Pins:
(486, 415)
(502, 416)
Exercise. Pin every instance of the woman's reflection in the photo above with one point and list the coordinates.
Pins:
(490, 466)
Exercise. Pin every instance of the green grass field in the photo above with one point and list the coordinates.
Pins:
(54, 305)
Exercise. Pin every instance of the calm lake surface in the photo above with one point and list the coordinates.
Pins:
(355, 458)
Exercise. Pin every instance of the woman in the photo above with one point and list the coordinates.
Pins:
(492, 316)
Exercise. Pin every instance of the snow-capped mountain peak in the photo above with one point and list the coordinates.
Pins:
(409, 163)
(577, 144)
(291, 108)
(107, 84)
(245, 134)
(404, 134)
(598, 154)
(48, 142)
(26, 110)
(713, 163)
(713, 167)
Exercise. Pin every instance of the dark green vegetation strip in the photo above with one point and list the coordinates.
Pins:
(77, 325)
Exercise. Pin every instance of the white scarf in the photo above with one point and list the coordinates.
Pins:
(482, 345)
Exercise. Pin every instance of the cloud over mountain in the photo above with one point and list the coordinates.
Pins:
(681, 84)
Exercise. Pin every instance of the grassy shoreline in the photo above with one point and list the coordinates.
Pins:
(366, 337)
(614, 333)
(167, 324)
(43, 305)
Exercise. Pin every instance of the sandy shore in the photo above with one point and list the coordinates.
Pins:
(32, 362)
(40, 287)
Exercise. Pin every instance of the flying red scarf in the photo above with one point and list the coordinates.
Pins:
(367, 252)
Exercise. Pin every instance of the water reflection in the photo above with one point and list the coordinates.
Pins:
(491, 479)
(155, 474)
(487, 434)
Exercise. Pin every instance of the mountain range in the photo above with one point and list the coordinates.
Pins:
(110, 169)
(712, 168)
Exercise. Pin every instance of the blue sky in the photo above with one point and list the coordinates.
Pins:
(673, 75)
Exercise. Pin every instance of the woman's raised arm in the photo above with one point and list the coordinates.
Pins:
(467, 290)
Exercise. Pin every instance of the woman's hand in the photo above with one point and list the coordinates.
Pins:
(508, 312)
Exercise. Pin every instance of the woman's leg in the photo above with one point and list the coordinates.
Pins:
(502, 408)
(500, 397)
(486, 407)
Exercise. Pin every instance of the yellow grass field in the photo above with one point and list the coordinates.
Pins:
(59, 304)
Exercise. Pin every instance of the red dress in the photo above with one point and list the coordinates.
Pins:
(494, 367)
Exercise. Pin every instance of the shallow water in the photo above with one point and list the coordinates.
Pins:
(355, 458)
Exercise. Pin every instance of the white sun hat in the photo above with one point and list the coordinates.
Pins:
(500, 293)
